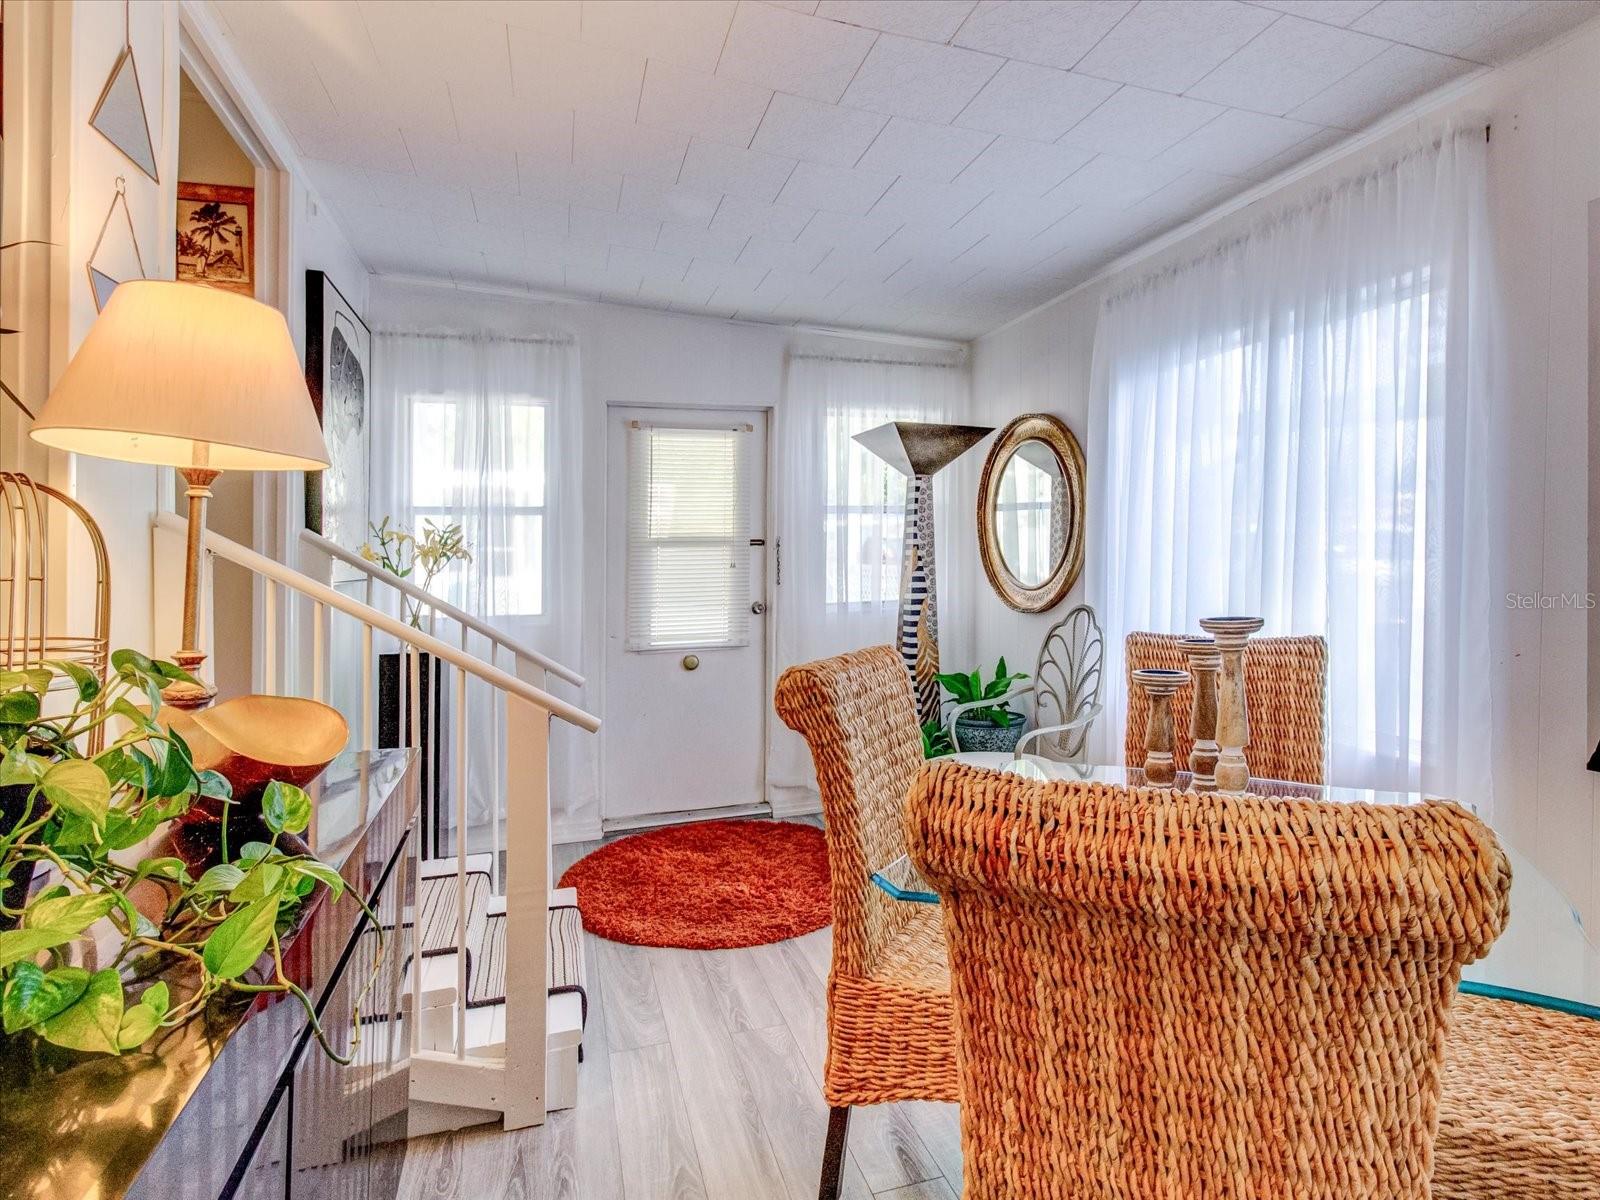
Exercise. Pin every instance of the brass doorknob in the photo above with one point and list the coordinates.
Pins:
(691, 662)
(758, 607)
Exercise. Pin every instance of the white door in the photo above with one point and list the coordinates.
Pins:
(686, 694)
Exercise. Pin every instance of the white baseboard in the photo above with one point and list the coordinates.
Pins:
(794, 801)
(575, 829)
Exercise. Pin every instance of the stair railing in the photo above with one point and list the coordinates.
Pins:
(507, 1076)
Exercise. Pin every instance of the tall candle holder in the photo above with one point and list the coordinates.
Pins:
(1233, 713)
(1159, 686)
(1204, 663)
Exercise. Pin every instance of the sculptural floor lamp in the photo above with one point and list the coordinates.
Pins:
(179, 375)
(919, 450)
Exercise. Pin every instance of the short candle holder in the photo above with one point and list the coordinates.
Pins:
(1233, 713)
(1159, 686)
(1204, 663)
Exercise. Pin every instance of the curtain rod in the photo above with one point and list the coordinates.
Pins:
(881, 362)
(554, 339)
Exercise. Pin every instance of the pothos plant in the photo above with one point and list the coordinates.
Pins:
(403, 554)
(84, 818)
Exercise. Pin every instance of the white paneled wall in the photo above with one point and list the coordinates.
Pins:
(1544, 173)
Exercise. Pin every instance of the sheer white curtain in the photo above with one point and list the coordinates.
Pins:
(1299, 425)
(486, 432)
(840, 512)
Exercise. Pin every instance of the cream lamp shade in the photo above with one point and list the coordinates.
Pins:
(179, 375)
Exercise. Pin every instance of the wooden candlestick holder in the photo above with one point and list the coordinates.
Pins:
(1204, 663)
(1160, 686)
(1233, 713)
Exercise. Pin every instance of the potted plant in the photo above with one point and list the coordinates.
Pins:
(86, 825)
(987, 727)
(420, 559)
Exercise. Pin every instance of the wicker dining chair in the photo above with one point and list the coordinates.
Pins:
(1285, 686)
(1164, 994)
(889, 1021)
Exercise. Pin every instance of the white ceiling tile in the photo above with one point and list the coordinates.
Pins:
(602, 144)
(335, 141)
(1316, 142)
(908, 78)
(1056, 33)
(509, 208)
(802, 55)
(410, 191)
(651, 265)
(1011, 216)
(781, 256)
(874, 267)
(924, 151)
(409, 258)
(737, 215)
(562, 183)
(572, 253)
(688, 32)
(939, 205)
(339, 184)
(748, 173)
(816, 132)
(1399, 74)
(1190, 194)
(1546, 19)
(1139, 123)
(718, 245)
(1115, 182)
(390, 224)
(1237, 142)
(562, 73)
(615, 229)
(743, 277)
(504, 240)
(932, 20)
(1169, 45)
(1286, 65)
(658, 201)
(708, 106)
(1329, 12)
(492, 114)
(1023, 167)
(849, 233)
(367, 101)
(550, 18)
(468, 164)
(1448, 28)
(1034, 102)
(421, 38)
(834, 188)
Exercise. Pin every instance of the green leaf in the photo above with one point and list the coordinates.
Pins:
(236, 944)
(215, 786)
(156, 997)
(33, 995)
(123, 830)
(20, 767)
(162, 868)
(94, 1021)
(312, 869)
(137, 717)
(1000, 668)
(174, 775)
(223, 877)
(138, 1023)
(20, 945)
(35, 679)
(131, 662)
(259, 881)
(69, 914)
(19, 708)
(285, 808)
(87, 682)
(80, 787)
(253, 852)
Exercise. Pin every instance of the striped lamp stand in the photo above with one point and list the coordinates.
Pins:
(919, 450)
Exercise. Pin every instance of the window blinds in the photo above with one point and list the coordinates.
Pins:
(688, 571)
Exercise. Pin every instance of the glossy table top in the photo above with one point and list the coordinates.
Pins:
(1543, 957)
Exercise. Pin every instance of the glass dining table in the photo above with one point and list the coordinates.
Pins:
(1544, 956)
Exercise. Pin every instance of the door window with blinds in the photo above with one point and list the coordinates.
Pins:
(688, 566)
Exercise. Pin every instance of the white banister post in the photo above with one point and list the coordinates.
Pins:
(269, 637)
(527, 910)
(367, 740)
(319, 649)
(461, 863)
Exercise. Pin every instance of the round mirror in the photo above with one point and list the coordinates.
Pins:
(1030, 513)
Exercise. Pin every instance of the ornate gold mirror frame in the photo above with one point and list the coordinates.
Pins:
(1068, 563)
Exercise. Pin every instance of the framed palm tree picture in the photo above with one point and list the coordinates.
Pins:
(217, 236)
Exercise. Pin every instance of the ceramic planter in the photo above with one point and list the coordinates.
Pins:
(986, 737)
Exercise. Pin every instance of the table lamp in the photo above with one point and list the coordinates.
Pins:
(179, 375)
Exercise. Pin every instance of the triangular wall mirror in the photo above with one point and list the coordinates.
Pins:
(119, 115)
(110, 262)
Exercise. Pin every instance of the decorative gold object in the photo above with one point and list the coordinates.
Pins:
(919, 449)
(1204, 663)
(119, 114)
(1160, 685)
(252, 740)
(1233, 712)
(1031, 513)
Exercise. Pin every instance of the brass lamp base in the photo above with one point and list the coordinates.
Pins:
(180, 693)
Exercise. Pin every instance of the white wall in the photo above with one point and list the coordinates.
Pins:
(636, 356)
(1544, 163)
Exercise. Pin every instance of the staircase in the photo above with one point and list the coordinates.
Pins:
(494, 1003)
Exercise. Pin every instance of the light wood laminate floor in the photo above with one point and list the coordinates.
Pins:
(701, 1080)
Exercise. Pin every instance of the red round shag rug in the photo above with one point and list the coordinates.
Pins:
(711, 885)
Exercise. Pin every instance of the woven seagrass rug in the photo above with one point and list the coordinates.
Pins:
(710, 885)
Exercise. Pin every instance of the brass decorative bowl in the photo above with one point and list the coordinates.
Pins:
(252, 740)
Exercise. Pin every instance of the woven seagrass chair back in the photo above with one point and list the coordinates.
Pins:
(1285, 685)
(1168, 994)
(857, 714)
